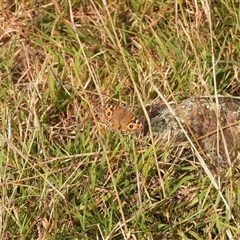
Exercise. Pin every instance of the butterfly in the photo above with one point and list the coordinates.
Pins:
(119, 118)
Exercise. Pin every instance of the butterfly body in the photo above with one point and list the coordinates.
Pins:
(120, 118)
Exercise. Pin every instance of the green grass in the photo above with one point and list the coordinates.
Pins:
(64, 175)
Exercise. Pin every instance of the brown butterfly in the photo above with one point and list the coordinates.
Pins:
(119, 118)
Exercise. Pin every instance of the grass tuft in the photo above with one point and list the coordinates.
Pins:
(64, 174)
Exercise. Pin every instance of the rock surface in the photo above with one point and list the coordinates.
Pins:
(204, 124)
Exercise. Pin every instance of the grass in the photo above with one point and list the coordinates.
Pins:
(64, 175)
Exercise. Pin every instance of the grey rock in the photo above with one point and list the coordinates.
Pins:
(202, 118)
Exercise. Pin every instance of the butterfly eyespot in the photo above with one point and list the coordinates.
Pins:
(108, 113)
(130, 126)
